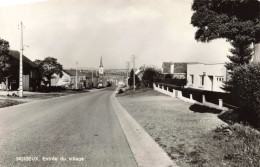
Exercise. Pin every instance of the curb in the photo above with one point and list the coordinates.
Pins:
(146, 151)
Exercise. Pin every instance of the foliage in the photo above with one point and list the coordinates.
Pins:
(5, 61)
(246, 91)
(175, 81)
(48, 67)
(236, 21)
(241, 54)
(131, 82)
(51, 89)
(233, 20)
(150, 76)
(235, 145)
(168, 76)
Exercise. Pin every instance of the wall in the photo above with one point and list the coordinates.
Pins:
(215, 73)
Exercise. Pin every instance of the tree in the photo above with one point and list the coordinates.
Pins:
(130, 80)
(5, 61)
(150, 76)
(234, 20)
(241, 54)
(246, 92)
(48, 67)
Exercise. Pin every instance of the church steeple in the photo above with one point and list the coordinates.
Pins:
(101, 69)
(101, 63)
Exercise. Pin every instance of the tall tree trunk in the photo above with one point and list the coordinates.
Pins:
(256, 56)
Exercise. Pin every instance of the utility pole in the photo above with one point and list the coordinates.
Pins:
(76, 76)
(21, 64)
(133, 60)
(92, 79)
(127, 70)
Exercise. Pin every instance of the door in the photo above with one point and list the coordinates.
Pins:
(26, 82)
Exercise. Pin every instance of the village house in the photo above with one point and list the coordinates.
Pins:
(86, 79)
(31, 75)
(206, 76)
(69, 79)
(176, 69)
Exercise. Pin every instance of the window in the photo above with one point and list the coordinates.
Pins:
(201, 80)
(192, 79)
(220, 78)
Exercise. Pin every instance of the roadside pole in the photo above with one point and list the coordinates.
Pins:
(127, 72)
(21, 65)
(92, 79)
(133, 59)
(76, 75)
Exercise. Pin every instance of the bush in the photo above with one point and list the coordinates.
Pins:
(246, 91)
(235, 145)
(175, 81)
(131, 82)
(150, 76)
(51, 89)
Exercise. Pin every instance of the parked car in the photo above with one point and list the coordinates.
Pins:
(100, 85)
(121, 86)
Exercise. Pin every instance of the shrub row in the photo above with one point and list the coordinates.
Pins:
(51, 89)
(174, 81)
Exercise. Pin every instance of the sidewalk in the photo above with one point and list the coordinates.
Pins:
(145, 150)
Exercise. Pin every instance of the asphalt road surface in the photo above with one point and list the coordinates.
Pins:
(77, 130)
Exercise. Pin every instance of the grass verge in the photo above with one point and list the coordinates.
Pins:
(193, 138)
(8, 102)
(53, 94)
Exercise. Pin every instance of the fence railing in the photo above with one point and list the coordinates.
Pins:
(178, 94)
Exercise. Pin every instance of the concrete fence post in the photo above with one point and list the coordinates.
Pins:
(178, 94)
(203, 99)
(191, 98)
(162, 87)
(220, 103)
(167, 89)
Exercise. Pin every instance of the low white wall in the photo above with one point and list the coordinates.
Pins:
(189, 100)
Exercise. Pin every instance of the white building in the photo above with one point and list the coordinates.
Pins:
(69, 78)
(206, 76)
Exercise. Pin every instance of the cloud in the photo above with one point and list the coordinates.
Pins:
(83, 30)
(4, 3)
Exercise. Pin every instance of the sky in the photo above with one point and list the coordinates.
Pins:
(82, 31)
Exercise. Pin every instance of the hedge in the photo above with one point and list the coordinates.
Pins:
(174, 81)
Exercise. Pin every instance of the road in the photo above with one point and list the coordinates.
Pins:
(83, 126)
